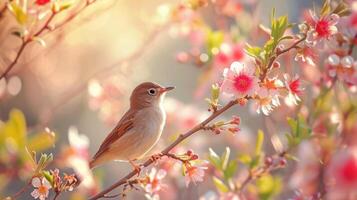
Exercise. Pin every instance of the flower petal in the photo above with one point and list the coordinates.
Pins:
(35, 194)
(161, 174)
(36, 182)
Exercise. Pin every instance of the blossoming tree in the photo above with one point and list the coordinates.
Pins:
(300, 77)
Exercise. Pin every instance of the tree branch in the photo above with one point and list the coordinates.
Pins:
(166, 151)
(40, 31)
(273, 58)
(25, 42)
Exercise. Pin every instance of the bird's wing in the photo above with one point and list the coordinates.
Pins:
(123, 126)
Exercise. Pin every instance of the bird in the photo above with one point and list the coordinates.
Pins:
(138, 130)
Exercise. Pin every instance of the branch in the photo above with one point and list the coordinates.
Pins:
(22, 190)
(278, 53)
(272, 165)
(39, 32)
(166, 151)
(25, 42)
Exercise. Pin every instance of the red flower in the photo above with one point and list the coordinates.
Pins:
(42, 2)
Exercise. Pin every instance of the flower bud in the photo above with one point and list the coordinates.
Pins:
(189, 152)
(333, 60)
(282, 162)
(268, 161)
(235, 120)
(194, 157)
(347, 61)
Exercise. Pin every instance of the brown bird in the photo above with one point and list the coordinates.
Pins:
(138, 130)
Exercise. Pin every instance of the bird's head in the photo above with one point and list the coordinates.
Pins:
(148, 94)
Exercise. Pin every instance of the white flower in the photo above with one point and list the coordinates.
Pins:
(42, 188)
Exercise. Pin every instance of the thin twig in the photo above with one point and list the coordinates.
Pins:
(274, 57)
(39, 32)
(181, 138)
(22, 190)
(25, 43)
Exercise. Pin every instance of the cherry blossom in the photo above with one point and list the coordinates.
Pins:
(321, 28)
(42, 188)
(153, 184)
(239, 80)
(194, 173)
(77, 155)
(294, 87)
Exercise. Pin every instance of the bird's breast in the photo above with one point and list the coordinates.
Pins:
(150, 122)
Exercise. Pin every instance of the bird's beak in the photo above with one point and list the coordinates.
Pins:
(165, 89)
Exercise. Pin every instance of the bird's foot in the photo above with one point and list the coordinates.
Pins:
(156, 157)
(137, 168)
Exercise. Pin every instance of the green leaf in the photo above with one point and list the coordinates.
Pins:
(220, 185)
(230, 170)
(14, 131)
(214, 159)
(268, 186)
(48, 176)
(259, 143)
(245, 159)
(253, 51)
(41, 141)
(18, 12)
(225, 158)
(214, 40)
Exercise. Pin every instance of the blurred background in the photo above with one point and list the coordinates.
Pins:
(82, 78)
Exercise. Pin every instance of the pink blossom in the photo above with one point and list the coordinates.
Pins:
(322, 28)
(239, 80)
(194, 173)
(294, 88)
(154, 180)
(42, 188)
(228, 54)
(76, 156)
(307, 55)
(343, 68)
(342, 174)
(266, 101)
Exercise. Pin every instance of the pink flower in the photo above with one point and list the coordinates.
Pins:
(228, 54)
(76, 156)
(42, 188)
(239, 80)
(294, 88)
(322, 28)
(307, 55)
(194, 173)
(266, 101)
(154, 178)
(341, 174)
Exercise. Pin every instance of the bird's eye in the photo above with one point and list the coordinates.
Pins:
(152, 91)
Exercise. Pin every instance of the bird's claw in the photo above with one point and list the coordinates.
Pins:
(137, 168)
